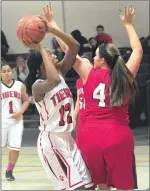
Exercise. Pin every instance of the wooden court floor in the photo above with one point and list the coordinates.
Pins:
(30, 175)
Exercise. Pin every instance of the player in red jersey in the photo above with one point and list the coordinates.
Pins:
(79, 110)
(107, 141)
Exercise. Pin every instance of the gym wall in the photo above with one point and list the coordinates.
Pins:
(70, 15)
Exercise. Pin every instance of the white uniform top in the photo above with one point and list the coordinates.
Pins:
(56, 109)
(10, 99)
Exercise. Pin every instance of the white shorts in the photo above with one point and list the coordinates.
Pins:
(12, 134)
(62, 161)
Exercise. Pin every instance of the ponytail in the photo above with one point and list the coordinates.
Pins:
(34, 62)
(123, 83)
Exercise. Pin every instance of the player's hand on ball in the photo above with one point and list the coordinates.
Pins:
(127, 16)
(47, 13)
(17, 115)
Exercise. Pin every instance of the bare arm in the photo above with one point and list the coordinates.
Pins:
(25, 99)
(76, 111)
(83, 70)
(81, 66)
(71, 52)
(134, 61)
(53, 79)
(137, 51)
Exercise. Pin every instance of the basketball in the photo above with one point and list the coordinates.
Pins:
(31, 28)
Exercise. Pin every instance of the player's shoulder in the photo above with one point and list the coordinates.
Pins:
(98, 74)
(18, 83)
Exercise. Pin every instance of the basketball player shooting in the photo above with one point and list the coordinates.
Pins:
(56, 148)
(108, 87)
(14, 102)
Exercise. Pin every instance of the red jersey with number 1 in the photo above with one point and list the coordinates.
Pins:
(97, 98)
(56, 109)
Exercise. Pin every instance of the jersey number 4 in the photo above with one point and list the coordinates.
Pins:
(62, 110)
(10, 107)
(99, 93)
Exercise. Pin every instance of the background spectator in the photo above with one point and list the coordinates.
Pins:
(57, 49)
(81, 40)
(101, 36)
(93, 44)
(4, 45)
(21, 70)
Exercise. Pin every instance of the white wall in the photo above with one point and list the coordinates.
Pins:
(13, 11)
(86, 15)
(82, 15)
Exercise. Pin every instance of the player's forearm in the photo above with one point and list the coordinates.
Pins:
(25, 106)
(76, 111)
(133, 38)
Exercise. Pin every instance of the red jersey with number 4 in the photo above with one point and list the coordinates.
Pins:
(97, 98)
(56, 109)
(10, 100)
(80, 92)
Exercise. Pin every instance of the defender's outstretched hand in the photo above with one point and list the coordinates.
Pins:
(127, 16)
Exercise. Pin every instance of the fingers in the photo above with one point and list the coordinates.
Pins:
(127, 11)
(130, 10)
(133, 11)
(26, 43)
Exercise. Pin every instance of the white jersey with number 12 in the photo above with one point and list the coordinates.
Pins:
(56, 109)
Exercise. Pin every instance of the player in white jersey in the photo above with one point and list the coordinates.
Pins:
(13, 93)
(57, 150)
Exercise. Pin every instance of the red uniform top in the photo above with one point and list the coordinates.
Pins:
(104, 38)
(97, 99)
(79, 86)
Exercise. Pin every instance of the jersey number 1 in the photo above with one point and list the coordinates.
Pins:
(62, 110)
(10, 107)
(99, 93)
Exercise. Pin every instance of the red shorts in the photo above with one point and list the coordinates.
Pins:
(108, 153)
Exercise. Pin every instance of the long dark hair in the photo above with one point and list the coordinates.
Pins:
(123, 83)
(4, 63)
(34, 61)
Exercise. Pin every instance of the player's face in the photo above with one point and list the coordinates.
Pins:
(6, 73)
(53, 57)
(42, 67)
(98, 62)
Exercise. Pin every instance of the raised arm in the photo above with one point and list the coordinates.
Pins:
(72, 44)
(52, 76)
(134, 61)
(82, 67)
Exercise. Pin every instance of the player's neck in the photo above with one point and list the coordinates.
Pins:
(8, 82)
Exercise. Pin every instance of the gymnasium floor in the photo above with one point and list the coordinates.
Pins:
(30, 175)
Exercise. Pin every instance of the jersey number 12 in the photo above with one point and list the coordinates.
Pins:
(62, 110)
